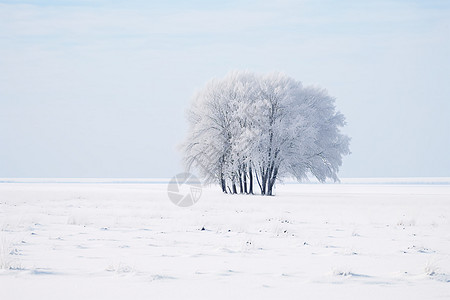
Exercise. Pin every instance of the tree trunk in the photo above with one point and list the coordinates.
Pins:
(241, 188)
(272, 182)
(259, 181)
(272, 174)
(264, 182)
(269, 188)
(269, 179)
(244, 177)
(222, 183)
(250, 176)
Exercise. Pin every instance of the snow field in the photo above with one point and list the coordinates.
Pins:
(100, 240)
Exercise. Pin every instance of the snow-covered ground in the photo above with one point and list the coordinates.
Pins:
(126, 240)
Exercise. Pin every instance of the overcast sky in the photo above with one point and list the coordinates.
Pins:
(100, 88)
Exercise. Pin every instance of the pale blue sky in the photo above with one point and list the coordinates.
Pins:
(100, 88)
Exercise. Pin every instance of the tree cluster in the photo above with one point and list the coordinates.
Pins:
(248, 129)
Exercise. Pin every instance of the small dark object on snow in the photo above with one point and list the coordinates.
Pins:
(203, 228)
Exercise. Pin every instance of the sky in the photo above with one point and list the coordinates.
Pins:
(101, 88)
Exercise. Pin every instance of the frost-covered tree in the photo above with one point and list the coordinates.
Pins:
(248, 128)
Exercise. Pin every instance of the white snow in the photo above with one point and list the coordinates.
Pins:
(126, 240)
